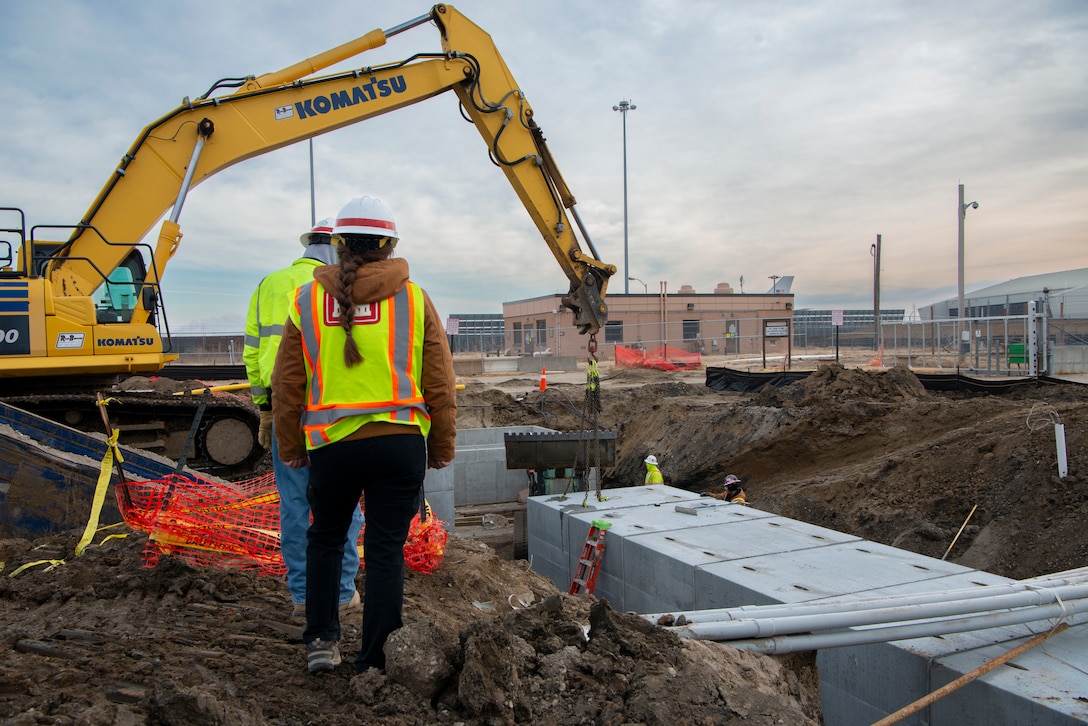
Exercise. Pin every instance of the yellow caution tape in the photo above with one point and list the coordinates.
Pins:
(51, 563)
(104, 475)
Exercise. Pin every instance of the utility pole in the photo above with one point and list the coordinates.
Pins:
(623, 107)
(878, 335)
(961, 213)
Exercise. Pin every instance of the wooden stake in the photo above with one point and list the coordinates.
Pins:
(960, 532)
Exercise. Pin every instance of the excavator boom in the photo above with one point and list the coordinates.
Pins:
(92, 305)
(202, 137)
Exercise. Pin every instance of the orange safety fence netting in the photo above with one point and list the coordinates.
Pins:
(236, 525)
(663, 358)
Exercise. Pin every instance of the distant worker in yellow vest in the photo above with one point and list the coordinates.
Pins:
(653, 474)
(363, 391)
(264, 327)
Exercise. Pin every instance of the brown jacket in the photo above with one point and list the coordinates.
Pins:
(374, 281)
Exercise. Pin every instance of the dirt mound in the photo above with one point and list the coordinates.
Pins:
(99, 639)
(835, 384)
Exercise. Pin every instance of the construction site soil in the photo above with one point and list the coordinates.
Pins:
(100, 639)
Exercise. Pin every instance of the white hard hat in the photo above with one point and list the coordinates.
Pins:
(651, 459)
(366, 215)
(323, 226)
(731, 479)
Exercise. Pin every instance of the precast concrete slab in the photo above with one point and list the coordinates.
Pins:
(660, 567)
(840, 568)
(554, 550)
(1047, 684)
(661, 559)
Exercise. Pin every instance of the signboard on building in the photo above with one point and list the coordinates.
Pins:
(776, 328)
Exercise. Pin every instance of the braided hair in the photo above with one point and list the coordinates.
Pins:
(356, 251)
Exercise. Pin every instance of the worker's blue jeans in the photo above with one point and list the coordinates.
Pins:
(295, 520)
(388, 472)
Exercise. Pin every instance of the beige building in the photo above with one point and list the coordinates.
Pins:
(717, 323)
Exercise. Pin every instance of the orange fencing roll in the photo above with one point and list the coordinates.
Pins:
(236, 525)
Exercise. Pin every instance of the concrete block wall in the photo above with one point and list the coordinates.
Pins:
(480, 473)
(657, 559)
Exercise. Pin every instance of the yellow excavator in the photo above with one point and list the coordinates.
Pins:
(90, 309)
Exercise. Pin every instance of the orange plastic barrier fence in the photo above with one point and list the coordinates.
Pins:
(236, 525)
(663, 358)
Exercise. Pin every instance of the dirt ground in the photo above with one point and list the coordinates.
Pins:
(100, 639)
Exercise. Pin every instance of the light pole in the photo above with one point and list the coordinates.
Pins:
(623, 107)
(774, 283)
(961, 210)
(874, 250)
(645, 289)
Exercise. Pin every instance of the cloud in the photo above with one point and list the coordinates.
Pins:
(769, 139)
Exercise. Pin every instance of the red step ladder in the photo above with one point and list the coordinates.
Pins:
(589, 563)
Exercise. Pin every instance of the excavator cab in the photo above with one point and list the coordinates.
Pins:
(116, 299)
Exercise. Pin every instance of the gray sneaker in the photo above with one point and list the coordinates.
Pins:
(322, 656)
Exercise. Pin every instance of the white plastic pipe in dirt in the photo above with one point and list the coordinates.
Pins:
(842, 638)
(837, 605)
(1059, 439)
(784, 625)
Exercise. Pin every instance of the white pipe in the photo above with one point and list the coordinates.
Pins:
(765, 627)
(1059, 440)
(812, 607)
(841, 638)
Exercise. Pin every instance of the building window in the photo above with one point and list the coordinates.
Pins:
(517, 333)
(691, 329)
(613, 331)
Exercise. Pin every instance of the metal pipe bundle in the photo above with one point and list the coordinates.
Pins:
(828, 624)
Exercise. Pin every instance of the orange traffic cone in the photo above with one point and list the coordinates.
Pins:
(543, 378)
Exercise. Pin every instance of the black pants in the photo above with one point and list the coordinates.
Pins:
(388, 472)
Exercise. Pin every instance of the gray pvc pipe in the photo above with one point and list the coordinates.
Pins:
(786, 624)
(842, 638)
(842, 605)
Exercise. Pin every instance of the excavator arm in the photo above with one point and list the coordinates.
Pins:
(202, 137)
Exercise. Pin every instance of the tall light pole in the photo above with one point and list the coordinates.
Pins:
(623, 107)
(774, 283)
(645, 289)
(961, 210)
(878, 336)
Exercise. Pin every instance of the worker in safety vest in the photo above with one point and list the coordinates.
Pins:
(734, 493)
(363, 391)
(653, 474)
(264, 326)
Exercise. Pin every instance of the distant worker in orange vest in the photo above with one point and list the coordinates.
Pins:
(733, 493)
(653, 474)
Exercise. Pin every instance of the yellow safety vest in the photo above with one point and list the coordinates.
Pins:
(653, 475)
(264, 323)
(386, 386)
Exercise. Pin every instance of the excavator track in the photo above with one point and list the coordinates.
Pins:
(224, 442)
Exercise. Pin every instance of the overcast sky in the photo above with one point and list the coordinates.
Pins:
(770, 138)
